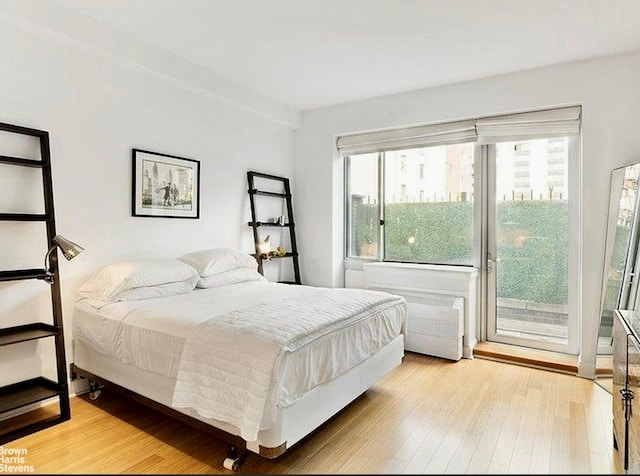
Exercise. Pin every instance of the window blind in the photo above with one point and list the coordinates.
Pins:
(419, 136)
(529, 125)
(558, 122)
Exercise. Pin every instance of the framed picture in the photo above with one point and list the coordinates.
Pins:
(165, 185)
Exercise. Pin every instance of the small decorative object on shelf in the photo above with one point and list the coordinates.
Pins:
(280, 251)
(264, 247)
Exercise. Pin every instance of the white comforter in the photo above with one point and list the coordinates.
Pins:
(228, 369)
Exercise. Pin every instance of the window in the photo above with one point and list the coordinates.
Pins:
(425, 221)
(363, 212)
(403, 193)
(521, 148)
(410, 191)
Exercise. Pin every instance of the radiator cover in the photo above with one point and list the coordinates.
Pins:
(441, 305)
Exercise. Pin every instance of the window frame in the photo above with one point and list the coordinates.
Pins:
(353, 262)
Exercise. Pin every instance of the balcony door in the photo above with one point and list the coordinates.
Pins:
(529, 258)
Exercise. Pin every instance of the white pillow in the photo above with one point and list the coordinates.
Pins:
(238, 275)
(139, 279)
(218, 260)
(159, 290)
(146, 292)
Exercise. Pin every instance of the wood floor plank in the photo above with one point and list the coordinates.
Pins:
(431, 415)
(561, 446)
(579, 444)
(419, 461)
(543, 436)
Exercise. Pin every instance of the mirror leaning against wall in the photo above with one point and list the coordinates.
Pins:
(619, 289)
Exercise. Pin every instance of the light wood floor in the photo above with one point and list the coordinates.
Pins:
(428, 416)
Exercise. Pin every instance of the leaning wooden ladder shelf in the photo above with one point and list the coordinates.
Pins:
(21, 395)
(255, 224)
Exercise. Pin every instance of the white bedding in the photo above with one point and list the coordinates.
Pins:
(151, 334)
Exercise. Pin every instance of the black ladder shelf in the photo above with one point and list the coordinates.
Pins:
(18, 396)
(289, 223)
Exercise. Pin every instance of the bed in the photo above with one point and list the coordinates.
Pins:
(208, 340)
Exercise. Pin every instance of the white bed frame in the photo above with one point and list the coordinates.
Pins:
(292, 422)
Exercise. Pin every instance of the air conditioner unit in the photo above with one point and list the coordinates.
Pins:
(435, 326)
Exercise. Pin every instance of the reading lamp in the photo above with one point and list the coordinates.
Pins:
(69, 250)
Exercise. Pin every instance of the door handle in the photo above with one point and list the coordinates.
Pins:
(491, 262)
(627, 396)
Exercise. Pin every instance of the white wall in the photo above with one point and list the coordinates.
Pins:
(606, 88)
(96, 109)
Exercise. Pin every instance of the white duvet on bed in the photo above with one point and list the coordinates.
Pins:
(151, 334)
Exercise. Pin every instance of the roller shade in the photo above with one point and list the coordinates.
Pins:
(529, 125)
(560, 122)
(419, 136)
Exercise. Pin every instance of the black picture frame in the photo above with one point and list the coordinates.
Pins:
(164, 185)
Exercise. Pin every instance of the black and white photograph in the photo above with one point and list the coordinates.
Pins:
(165, 185)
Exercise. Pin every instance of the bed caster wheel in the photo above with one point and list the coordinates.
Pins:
(94, 390)
(235, 458)
(231, 463)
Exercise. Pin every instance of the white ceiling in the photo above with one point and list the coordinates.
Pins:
(313, 53)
